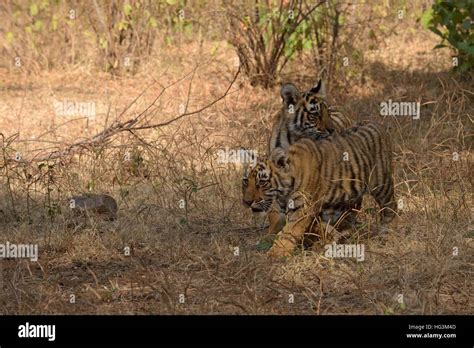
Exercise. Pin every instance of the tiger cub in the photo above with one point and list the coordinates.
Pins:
(311, 176)
(304, 115)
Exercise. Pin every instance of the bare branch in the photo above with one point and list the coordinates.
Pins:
(193, 112)
(131, 125)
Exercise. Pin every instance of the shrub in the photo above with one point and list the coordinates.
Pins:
(267, 35)
(451, 20)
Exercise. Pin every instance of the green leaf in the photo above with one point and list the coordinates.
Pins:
(54, 23)
(171, 2)
(127, 9)
(38, 25)
(264, 245)
(436, 31)
(426, 18)
(342, 20)
(469, 234)
(465, 47)
(466, 24)
(44, 4)
(122, 25)
(188, 28)
(9, 37)
(214, 49)
(307, 44)
(34, 9)
(152, 22)
(102, 43)
(90, 186)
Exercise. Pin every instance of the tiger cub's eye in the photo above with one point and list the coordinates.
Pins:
(314, 108)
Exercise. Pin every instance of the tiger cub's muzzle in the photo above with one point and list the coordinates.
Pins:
(260, 206)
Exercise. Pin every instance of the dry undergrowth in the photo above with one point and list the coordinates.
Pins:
(191, 251)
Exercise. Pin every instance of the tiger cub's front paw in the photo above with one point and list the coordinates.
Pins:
(281, 248)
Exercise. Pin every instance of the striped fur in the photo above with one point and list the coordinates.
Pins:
(340, 169)
(259, 196)
(304, 115)
(333, 171)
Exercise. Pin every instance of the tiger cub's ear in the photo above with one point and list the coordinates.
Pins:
(319, 89)
(280, 158)
(289, 94)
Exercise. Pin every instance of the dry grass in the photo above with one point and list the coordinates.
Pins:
(190, 251)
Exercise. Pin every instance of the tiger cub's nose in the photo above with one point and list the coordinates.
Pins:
(247, 202)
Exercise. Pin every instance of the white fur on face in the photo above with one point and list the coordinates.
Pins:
(263, 174)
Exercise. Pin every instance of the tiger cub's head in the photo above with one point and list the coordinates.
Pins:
(308, 112)
(256, 183)
(268, 179)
